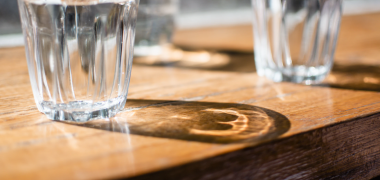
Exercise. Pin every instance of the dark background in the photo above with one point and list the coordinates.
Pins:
(9, 17)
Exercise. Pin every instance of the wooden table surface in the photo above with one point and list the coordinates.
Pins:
(207, 117)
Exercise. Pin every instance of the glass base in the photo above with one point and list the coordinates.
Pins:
(296, 74)
(82, 111)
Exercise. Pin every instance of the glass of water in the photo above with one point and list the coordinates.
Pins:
(295, 39)
(79, 55)
(155, 26)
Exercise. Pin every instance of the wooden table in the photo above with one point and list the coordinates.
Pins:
(208, 119)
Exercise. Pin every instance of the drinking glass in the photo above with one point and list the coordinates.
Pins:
(295, 40)
(79, 55)
(155, 26)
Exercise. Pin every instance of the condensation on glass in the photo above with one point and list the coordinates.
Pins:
(295, 39)
(79, 55)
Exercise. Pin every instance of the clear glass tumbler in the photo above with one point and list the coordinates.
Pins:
(295, 40)
(155, 26)
(79, 55)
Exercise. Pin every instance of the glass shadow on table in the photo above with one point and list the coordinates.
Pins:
(196, 121)
(344, 74)
(200, 59)
(364, 77)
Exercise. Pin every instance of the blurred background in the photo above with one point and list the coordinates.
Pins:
(194, 14)
(217, 35)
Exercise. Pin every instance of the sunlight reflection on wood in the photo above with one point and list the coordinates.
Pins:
(198, 121)
(240, 126)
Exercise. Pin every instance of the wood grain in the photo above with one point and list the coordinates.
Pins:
(200, 122)
(326, 153)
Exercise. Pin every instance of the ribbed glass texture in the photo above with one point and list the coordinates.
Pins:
(79, 55)
(295, 40)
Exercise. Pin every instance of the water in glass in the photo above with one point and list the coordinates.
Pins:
(295, 39)
(79, 55)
